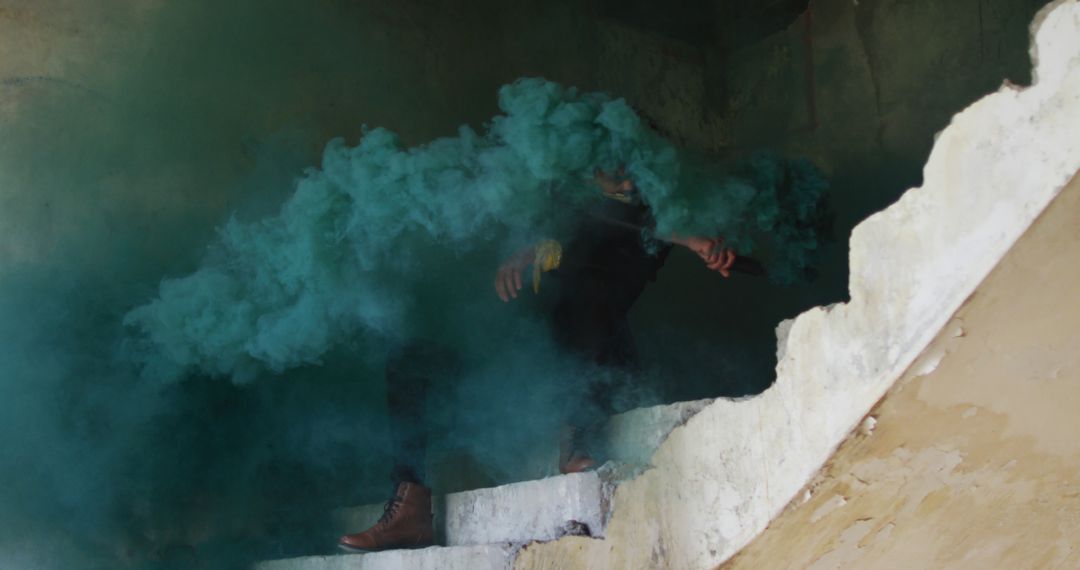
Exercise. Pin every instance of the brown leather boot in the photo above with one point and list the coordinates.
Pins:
(572, 458)
(405, 523)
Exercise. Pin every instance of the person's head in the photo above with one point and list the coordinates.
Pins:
(616, 185)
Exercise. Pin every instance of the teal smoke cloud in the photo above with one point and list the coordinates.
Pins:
(357, 247)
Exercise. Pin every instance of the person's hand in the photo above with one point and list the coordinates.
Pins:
(508, 277)
(712, 251)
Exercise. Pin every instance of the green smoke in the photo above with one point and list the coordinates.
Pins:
(355, 250)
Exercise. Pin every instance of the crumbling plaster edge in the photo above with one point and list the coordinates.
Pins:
(720, 477)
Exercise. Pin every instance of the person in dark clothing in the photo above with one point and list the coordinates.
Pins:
(605, 267)
(596, 279)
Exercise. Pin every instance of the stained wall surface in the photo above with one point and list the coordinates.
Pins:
(971, 460)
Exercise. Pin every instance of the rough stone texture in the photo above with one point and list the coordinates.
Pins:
(667, 82)
(875, 93)
(719, 480)
(972, 460)
(491, 557)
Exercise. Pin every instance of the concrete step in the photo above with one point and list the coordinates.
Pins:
(533, 510)
(477, 557)
(517, 513)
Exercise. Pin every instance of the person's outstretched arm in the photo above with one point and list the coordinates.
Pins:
(710, 250)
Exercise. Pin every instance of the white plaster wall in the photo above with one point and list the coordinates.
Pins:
(719, 480)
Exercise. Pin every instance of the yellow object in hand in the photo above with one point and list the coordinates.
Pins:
(546, 257)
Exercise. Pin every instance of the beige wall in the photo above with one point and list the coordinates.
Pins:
(975, 464)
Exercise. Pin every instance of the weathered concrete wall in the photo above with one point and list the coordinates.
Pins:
(973, 460)
(168, 117)
(721, 478)
(844, 83)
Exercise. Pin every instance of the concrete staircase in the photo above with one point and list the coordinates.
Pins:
(486, 528)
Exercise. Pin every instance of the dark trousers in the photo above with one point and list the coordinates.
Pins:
(599, 336)
(409, 372)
